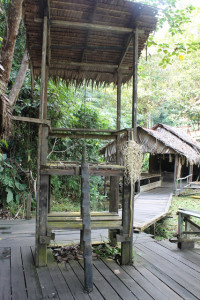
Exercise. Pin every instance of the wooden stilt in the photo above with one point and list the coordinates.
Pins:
(135, 77)
(43, 180)
(128, 203)
(191, 172)
(175, 173)
(114, 181)
(86, 229)
(127, 245)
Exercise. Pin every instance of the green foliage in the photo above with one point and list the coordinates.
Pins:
(105, 250)
(13, 190)
(175, 18)
(145, 163)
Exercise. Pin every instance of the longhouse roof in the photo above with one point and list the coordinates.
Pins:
(162, 139)
(87, 39)
(172, 139)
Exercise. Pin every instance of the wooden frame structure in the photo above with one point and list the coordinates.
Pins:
(187, 228)
(85, 40)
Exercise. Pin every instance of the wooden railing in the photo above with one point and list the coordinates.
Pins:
(180, 185)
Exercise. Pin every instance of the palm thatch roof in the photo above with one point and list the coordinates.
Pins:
(162, 139)
(87, 39)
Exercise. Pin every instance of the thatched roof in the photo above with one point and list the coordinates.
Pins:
(162, 139)
(87, 39)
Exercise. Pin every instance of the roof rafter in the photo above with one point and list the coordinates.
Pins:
(86, 26)
(133, 24)
(88, 33)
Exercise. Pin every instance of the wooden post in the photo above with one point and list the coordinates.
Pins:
(180, 225)
(127, 246)
(127, 222)
(175, 173)
(190, 172)
(135, 77)
(114, 180)
(43, 180)
(86, 229)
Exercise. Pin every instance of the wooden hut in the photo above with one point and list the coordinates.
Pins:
(96, 41)
(173, 154)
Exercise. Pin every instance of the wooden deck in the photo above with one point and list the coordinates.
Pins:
(160, 271)
(151, 206)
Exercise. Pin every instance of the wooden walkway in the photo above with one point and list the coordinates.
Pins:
(160, 271)
(151, 206)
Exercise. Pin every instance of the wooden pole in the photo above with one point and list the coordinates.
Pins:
(127, 216)
(114, 181)
(43, 88)
(175, 173)
(135, 77)
(86, 227)
(190, 172)
(119, 84)
(127, 246)
(43, 180)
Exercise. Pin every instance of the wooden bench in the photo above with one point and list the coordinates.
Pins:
(73, 220)
(185, 241)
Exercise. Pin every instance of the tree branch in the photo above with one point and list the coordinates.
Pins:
(19, 79)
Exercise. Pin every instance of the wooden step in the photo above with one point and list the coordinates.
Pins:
(72, 220)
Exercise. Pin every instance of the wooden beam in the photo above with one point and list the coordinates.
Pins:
(75, 170)
(135, 76)
(91, 65)
(88, 33)
(127, 47)
(86, 136)
(87, 26)
(32, 120)
(82, 47)
(54, 129)
(43, 69)
(90, 70)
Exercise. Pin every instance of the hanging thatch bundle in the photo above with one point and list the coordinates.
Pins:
(132, 154)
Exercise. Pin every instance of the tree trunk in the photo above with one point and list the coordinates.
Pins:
(7, 51)
(19, 80)
(8, 44)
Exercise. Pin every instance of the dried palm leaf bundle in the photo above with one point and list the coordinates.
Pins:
(132, 155)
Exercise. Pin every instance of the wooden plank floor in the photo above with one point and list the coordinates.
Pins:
(151, 206)
(160, 271)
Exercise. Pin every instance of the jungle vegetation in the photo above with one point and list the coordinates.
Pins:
(168, 92)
